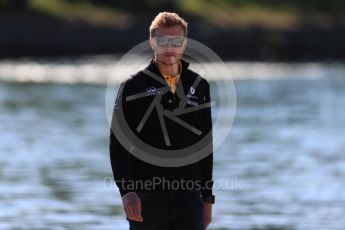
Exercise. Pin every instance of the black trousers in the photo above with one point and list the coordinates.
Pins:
(176, 210)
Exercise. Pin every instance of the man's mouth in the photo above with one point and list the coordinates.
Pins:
(169, 54)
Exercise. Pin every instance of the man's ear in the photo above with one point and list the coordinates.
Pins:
(152, 43)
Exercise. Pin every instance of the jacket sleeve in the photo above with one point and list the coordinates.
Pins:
(119, 156)
(206, 164)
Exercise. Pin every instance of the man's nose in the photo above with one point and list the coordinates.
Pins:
(169, 48)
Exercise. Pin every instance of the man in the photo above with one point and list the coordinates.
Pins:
(167, 85)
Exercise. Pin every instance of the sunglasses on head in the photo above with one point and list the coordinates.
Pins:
(164, 41)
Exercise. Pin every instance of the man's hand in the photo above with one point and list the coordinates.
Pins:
(207, 214)
(132, 206)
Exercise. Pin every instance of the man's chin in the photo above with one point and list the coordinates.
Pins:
(170, 61)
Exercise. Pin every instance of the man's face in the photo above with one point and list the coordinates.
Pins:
(168, 44)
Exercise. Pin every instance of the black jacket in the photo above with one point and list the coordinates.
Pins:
(127, 168)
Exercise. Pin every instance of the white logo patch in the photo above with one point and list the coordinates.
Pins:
(151, 91)
(192, 90)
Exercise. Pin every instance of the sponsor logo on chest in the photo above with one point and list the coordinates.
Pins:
(152, 91)
(192, 99)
